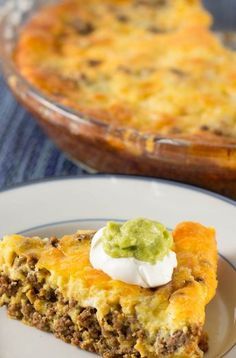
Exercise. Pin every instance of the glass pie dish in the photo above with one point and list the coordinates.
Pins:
(102, 147)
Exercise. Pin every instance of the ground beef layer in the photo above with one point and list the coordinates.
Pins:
(70, 322)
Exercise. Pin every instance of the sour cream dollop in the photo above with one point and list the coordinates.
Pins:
(129, 269)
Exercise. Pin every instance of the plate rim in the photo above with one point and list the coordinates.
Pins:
(119, 176)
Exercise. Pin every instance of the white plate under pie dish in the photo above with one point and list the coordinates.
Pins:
(62, 206)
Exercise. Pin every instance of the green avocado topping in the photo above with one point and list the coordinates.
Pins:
(143, 239)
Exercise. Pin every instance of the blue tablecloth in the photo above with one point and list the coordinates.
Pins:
(27, 154)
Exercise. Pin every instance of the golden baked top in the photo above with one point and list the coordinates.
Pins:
(151, 65)
(179, 304)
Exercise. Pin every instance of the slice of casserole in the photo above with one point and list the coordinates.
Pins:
(50, 284)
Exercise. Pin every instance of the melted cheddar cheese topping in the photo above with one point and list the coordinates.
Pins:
(149, 65)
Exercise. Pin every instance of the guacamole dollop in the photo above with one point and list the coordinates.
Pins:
(143, 239)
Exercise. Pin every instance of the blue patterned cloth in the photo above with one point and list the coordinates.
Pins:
(27, 154)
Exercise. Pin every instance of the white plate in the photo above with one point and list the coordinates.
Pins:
(62, 206)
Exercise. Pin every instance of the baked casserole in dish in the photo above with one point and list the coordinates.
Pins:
(128, 86)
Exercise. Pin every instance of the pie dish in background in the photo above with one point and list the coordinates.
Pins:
(102, 110)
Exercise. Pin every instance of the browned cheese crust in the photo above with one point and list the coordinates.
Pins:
(151, 65)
